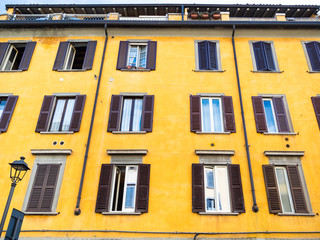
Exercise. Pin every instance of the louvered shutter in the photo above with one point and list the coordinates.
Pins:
(147, 113)
(269, 56)
(44, 116)
(271, 189)
(195, 113)
(102, 204)
(143, 182)
(198, 204)
(259, 55)
(259, 114)
(26, 57)
(115, 113)
(212, 52)
(7, 112)
(122, 55)
(280, 114)
(152, 55)
(3, 49)
(228, 115)
(77, 113)
(61, 54)
(296, 190)
(313, 49)
(203, 55)
(89, 57)
(316, 106)
(14, 226)
(236, 188)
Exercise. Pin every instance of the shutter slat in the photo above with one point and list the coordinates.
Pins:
(143, 182)
(3, 49)
(26, 57)
(259, 114)
(228, 114)
(260, 57)
(281, 115)
(203, 55)
(44, 115)
(7, 112)
(213, 57)
(198, 203)
(62, 50)
(195, 113)
(147, 113)
(89, 57)
(313, 50)
(236, 188)
(115, 113)
(77, 113)
(122, 55)
(102, 204)
(316, 106)
(152, 55)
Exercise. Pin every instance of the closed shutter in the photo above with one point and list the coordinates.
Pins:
(195, 113)
(259, 115)
(102, 204)
(316, 106)
(3, 49)
(296, 190)
(44, 116)
(122, 55)
(212, 51)
(143, 182)
(89, 57)
(236, 188)
(61, 54)
(198, 204)
(271, 189)
(26, 57)
(152, 55)
(115, 113)
(228, 115)
(269, 56)
(281, 115)
(7, 113)
(313, 49)
(77, 113)
(147, 113)
(259, 55)
(203, 55)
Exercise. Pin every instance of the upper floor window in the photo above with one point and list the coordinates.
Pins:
(316, 106)
(16, 56)
(312, 50)
(208, 55)
(264, 56)
(137, 56)
(7, 105)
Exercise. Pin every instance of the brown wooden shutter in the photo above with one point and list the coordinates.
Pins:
(316, 106)
(198, 204)
(44, 116)
(147, 113)
(89, 57)
(62, 50)
(102, 204)
(26, 57)
(3, 49)
(122, 55)
(7, 113)
(281, 115)
(259, 114)
(228, 115)
(236, 188)
(77, 113)
(272, 189)
(143, 182)
(152, 55)
(115, 113)
(298, 198)
(195, 113)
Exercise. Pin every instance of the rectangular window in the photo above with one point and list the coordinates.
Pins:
(312, 52)
(211, 115)
(264, 56)
(270, 115)
(284, 189)
(207, 55)
(62, 114)
(131, 114)
(137, 56)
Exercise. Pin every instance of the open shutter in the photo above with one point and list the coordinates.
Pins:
(195, 113)
(44, 116)
(14, 226)
(3, 49)
(260, 57)
(102, 204)
(316, 106)
(7, 113)
(228, 115)
(212, 51)
(147, 113)
(296, 190)
(143, 182)
(313, 49)
(26, 57)
(152, 55)
(259, 115)
(281, 115)
(269, 56)
(198, 204)
(89, 57)
(272, 189)
(236, 188)
(203, 55)
(77, 113)
(122, 55)
(62, 50)
(115, 112)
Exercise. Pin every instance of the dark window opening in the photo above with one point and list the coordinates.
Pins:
(118, 188)
(79, 57)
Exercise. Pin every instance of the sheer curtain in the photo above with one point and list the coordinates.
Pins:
(206, 123)
(57, 115)
(216, 115)
(68, 115)
(136, 123)
(126, 112)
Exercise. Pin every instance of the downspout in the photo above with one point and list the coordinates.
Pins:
(255, 206)
(77, 211)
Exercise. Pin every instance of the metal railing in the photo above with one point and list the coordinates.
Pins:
(30, 17)
(252, 19)
(144, 18)
(91, 17)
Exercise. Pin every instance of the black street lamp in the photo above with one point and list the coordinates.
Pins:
(18, 170)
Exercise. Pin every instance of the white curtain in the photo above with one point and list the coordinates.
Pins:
(136, 125)
(68, 115)
(57, 115)
(126, 112)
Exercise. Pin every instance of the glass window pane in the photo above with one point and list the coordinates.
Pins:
(284, 190)
(143, 56)
(2, 105)
(137, 115)
(130, 196)
(126, 114)
(133, 53)
(205, 115)
(68, 115)
(217, 117)
(70, 59)
(210, 204)
(11, 59)
(209, 174)
(56, 120)
(270, 117)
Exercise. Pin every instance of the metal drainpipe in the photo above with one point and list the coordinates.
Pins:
(77, 211)
(255, 206)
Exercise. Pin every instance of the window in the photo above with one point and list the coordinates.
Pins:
(212, 114)
(137, 55)
(74, 55)
(316, 106)
(208, 55)
(131, 113)
(264, 56)
(7, 105)
(312, 50)
(16, 56)
(61, 113)
(271, 114)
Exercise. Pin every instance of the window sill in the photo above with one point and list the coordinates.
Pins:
(313, 71)
(213, 133)
(256, 71)
(219, 213)
(135, 70)
(69, 132)
(72, 70)
(122, 132)
(297, 214)
(11, 71)
(41, 213)
(281, 133)
(121, 213)
(197, 70)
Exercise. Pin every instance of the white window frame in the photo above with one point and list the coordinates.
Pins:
(273, 114)
(196, 42)
(137, 44)
(7, 56)
(307, 55)
(70, 55)
(211, 115)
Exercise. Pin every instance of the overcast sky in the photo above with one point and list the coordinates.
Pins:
(283, 2)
